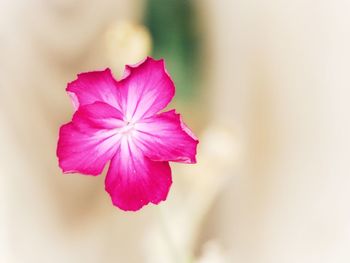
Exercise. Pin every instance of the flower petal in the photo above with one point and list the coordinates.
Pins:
(165, 137)
(94, 86)
(90, 140)
(146, 89)
(133, 180)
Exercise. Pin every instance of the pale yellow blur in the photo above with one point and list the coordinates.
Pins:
(127, 43)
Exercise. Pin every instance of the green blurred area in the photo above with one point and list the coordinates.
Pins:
(172, 24)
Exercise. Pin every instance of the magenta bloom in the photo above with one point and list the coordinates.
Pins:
(119, 121)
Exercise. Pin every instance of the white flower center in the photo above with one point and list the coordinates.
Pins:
(128, 128)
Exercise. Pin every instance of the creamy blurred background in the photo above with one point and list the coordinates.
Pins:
(264, 84)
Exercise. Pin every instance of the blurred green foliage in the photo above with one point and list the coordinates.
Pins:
(174, 34)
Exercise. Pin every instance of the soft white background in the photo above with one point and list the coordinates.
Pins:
(273, 180)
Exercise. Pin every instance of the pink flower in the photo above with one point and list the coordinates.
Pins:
(119, 121)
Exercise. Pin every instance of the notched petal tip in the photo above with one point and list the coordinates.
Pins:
(74, 100)
(165, 137)
(87, 74)
(135, 207)
(93, 86)
(189, 132)
(134, 181)
(138, 204)
(146, 88)
(148, 60)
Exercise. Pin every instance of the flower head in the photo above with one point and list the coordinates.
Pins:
(119, 121)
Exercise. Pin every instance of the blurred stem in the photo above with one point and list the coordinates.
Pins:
(167, 237)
